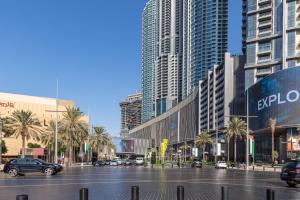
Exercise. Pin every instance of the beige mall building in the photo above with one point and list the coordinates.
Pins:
(40, 106)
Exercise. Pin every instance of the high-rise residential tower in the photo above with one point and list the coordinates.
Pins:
(187, 38)
(167, 66)
(149, 49)
(273, 37)
(205, 38)
(130, 113)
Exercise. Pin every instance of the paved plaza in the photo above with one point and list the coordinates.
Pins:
(109, 183)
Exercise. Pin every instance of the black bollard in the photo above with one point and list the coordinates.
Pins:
(253, 167)
(224, 193)
(135, 193)
(84, 194)
(264, 168)
(270, 194)
(180, 193)
(22, 197)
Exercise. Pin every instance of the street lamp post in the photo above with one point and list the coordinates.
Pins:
(217, 139)
(247, 136)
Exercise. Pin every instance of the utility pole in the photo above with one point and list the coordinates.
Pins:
(247, 116)
(217, 139)
(56, 111)
(56, 124)
(247, 137)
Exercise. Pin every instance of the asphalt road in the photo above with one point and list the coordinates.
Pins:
(114, 183)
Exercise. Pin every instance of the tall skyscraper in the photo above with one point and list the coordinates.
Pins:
(184, 39)
(205, 32)
(273, 37)
(130, 113)
(166, 71)
(149, 49)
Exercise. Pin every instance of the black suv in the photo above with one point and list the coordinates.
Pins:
(291, 173)
(197, 163)
(24, 165)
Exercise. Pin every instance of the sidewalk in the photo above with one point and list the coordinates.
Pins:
(266, 168)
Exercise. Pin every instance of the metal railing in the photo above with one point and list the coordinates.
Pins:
(135, 194)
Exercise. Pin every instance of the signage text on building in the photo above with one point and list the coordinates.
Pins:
(7, 104)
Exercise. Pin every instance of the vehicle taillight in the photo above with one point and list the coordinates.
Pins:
(292, 170)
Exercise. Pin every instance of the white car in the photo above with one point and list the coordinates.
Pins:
(118, 159)
(139, 161)
(113, 163)
(221, 165)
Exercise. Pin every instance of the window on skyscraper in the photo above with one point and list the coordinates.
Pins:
(291, 14)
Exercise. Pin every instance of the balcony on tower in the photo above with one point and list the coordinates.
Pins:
(264, 5)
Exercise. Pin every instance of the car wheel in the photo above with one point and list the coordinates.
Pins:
(49, 171)
(291, 183)
(13, 172)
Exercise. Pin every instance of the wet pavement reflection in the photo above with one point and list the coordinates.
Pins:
(115, 182)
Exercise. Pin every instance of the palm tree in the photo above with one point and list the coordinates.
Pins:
(229, 135)
(202, 140)
(48, 137)
(23, 123)
(4, 128)
(98, 139)
(237, 128)
(73, 127)
(272, 124)
(185, 147)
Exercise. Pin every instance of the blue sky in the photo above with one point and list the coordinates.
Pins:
(92, 47)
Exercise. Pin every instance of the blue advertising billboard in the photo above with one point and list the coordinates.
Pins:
(276, 96)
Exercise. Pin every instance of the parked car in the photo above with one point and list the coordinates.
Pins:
(291, 173)
(99, 163)
(221, 165)
(139, 161)
(196, 163)
(24, 165)
(113, 163)
(118, 159)
(127, 163)
(107, 162)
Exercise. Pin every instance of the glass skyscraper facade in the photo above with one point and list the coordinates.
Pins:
(271, 37)
(149, 33)
(182, 40)
(205, 39)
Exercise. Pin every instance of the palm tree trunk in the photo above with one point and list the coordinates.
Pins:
(98, 151)
(23, 146)
(69, 156)
(203, 153)
(235, 149)
(228, 148)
